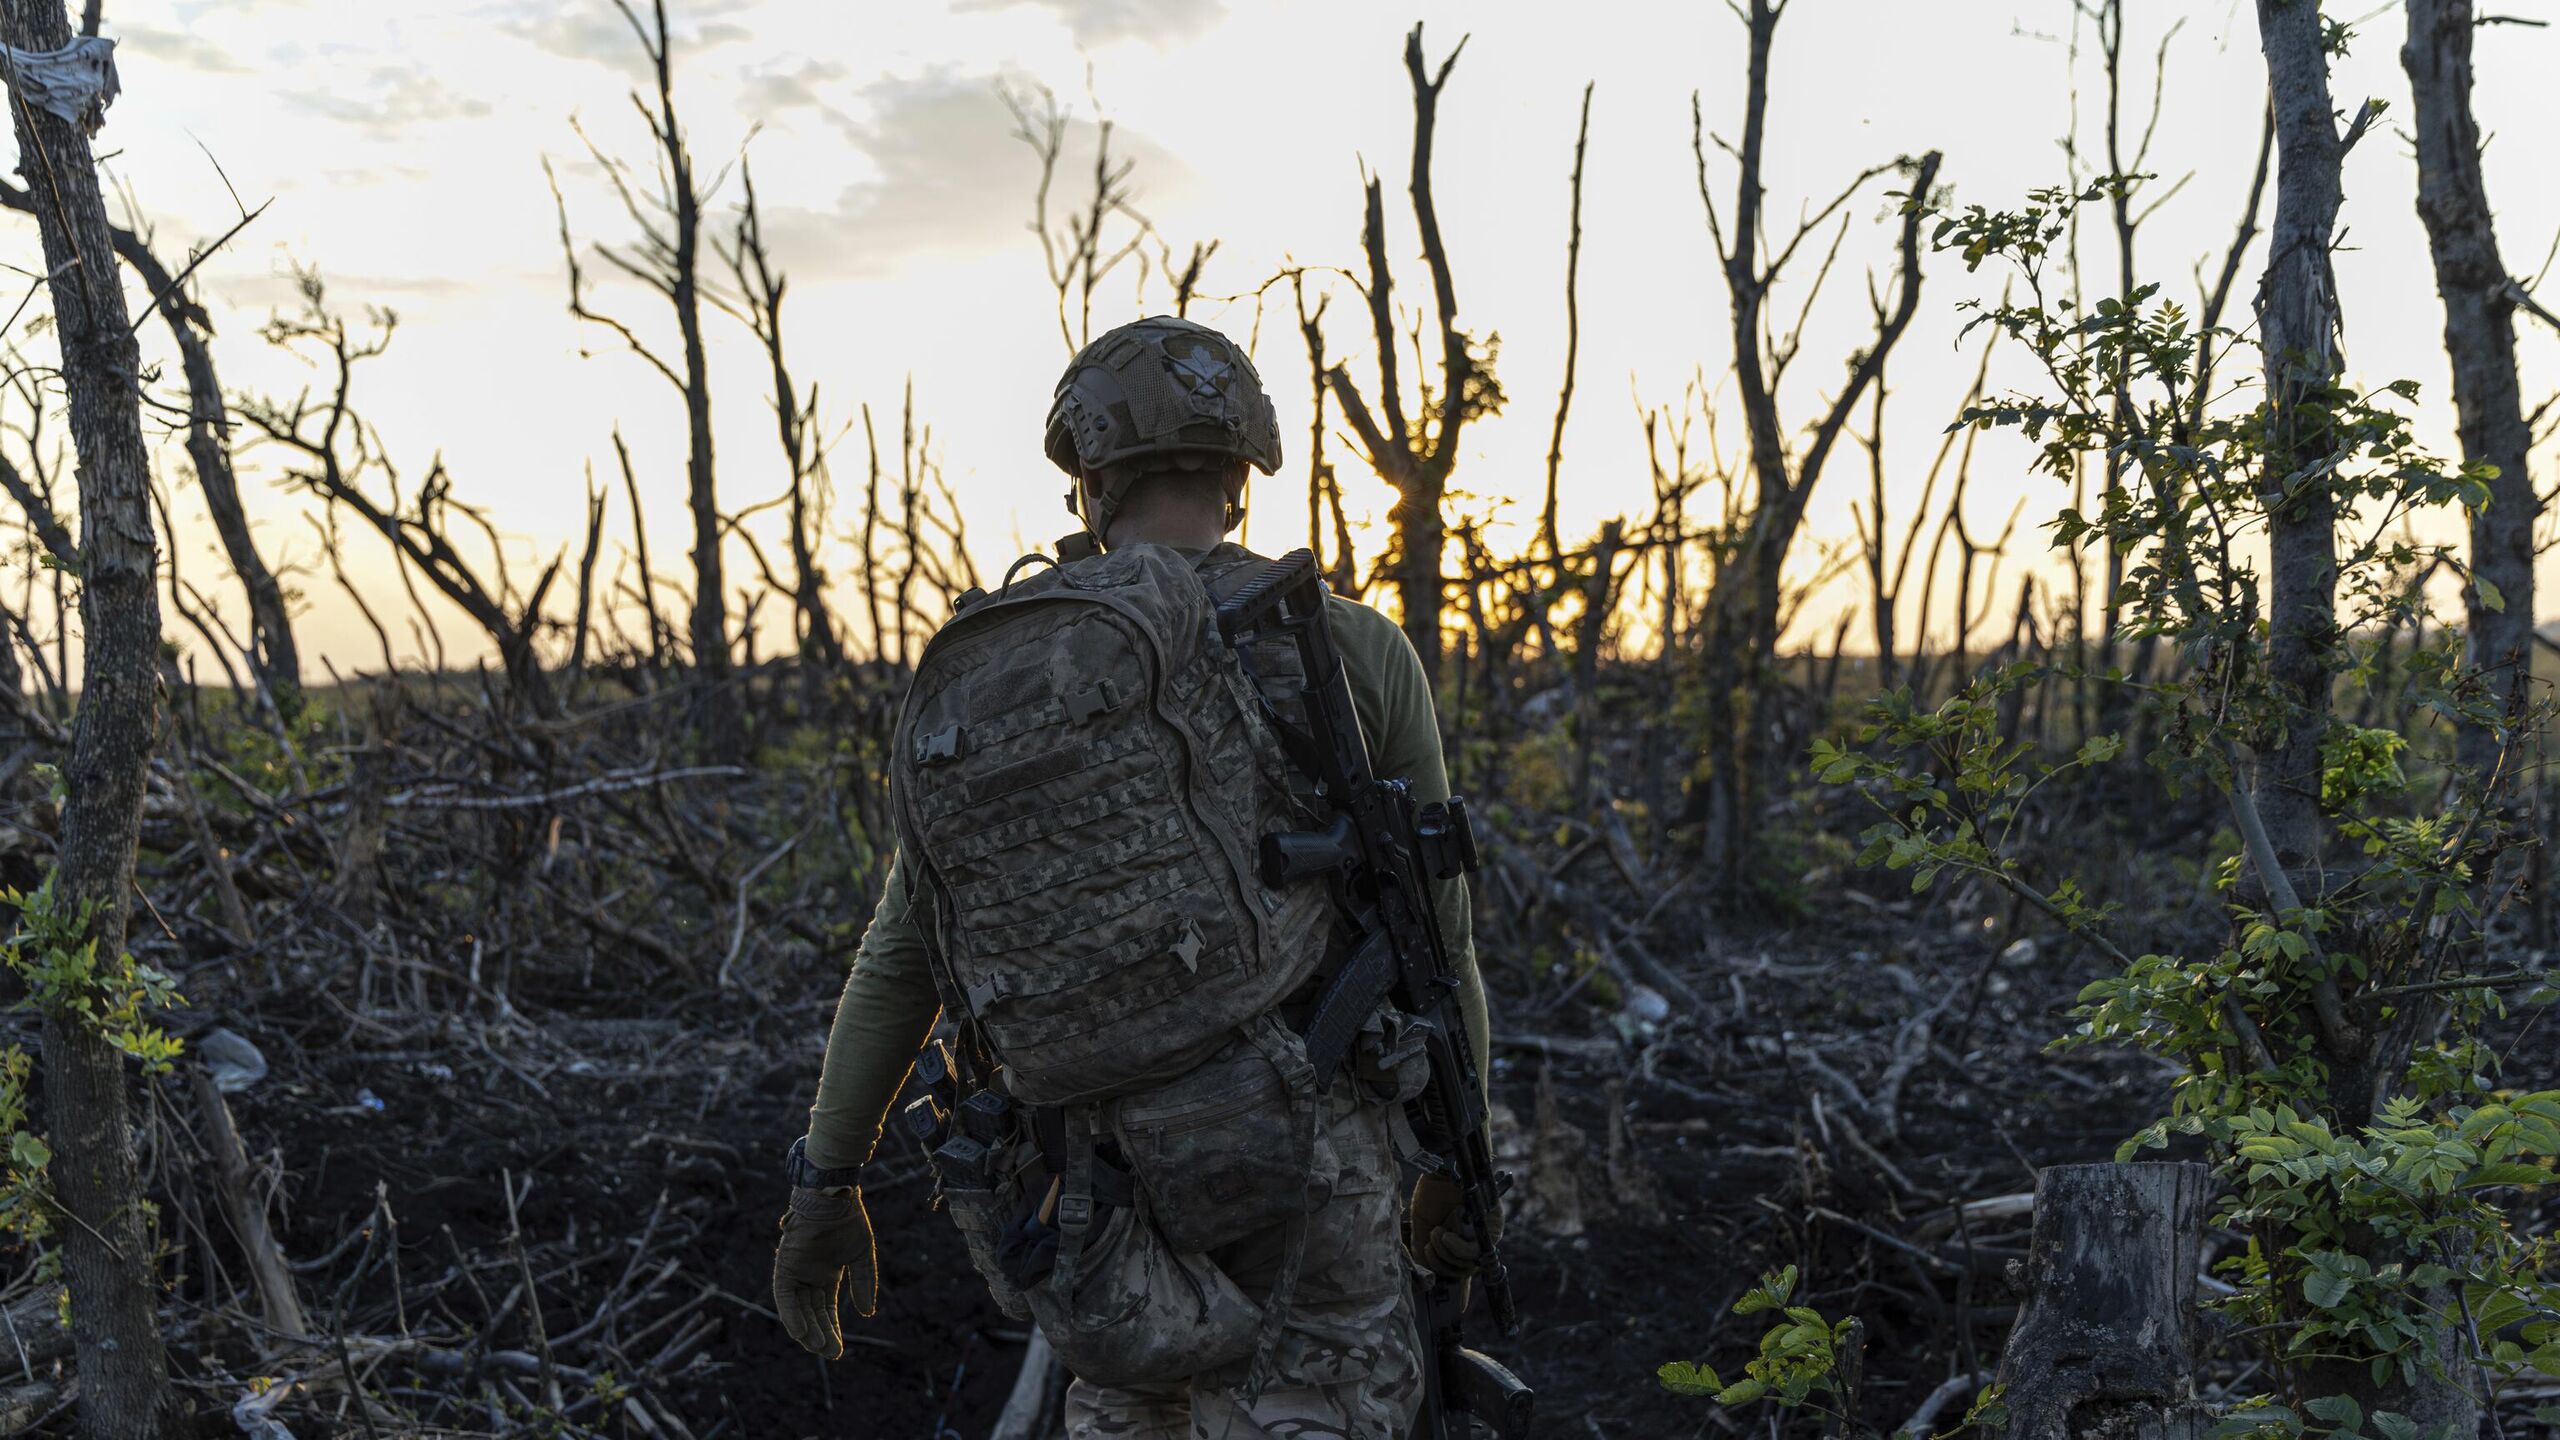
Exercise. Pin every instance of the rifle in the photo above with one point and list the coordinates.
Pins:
(1376, 853)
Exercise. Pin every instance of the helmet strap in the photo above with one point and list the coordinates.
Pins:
(1098, 505)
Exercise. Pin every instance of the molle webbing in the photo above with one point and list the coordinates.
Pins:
(1085, 773)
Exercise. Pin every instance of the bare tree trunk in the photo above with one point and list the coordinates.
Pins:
(667, 258)
(1599, 599)
(245, 1206)
(2298, 327)
(106, 1250)
(2299, 324)
(803, 453)
(2105, 1344)
(721, 717)
(640, 553)
(273, 654)
(1572, 337)
(1743, 620)
(1415, 457)
(2479, 335)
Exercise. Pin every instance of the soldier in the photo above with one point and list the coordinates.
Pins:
(1303, 1325)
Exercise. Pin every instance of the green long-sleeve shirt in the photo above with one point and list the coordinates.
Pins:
(889, 1004)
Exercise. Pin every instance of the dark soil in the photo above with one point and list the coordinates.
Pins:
(1721, 1170)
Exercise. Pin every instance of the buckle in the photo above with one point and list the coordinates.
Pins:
(1092, 700)
(1075, 1213)
(939, 748)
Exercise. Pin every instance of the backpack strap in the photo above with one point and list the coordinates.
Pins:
(1298, 1079)
(1225, 571)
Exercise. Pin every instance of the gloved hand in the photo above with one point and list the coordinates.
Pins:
(1438, 1233)
(826, 1243)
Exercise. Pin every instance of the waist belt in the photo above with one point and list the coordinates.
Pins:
(1087, 1186)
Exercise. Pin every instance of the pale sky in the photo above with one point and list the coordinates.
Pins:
(403, 145)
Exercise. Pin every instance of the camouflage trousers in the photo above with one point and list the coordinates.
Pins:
(1346, 1363)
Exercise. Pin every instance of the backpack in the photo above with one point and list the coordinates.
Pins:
(1085, 770)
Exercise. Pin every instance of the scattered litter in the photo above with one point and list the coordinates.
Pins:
(234, 1063)
(76, 82)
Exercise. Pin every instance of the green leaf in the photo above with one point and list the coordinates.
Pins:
(1683, 1378)
(2337, 1410)
(2325, 1288)
(1743, 1392)
(2491, 598)
(2506, 1174)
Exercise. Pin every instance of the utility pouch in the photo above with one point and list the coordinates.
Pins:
(980, 1191)
(1216, 1152)
(1388, 1062)
(1133, 1310)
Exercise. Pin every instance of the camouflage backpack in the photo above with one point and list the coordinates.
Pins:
(1085, 770)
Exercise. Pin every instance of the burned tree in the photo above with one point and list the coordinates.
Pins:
(1075, 251)
(107, 1247)
(666, 258)
(2479, 335)
(272, 653)
(763, 288)
(333, 452)
(1743, 620)
(1416, 454)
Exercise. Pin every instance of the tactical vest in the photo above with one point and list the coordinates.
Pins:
(1085, 770)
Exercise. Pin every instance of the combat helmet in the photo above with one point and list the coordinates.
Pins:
(1157, 394)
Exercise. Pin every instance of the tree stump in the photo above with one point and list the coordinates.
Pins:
(2104, 1346)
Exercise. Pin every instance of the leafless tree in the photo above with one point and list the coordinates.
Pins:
(273, 655)
(334, 453)
(1083, 250)
(106, 1248)
(914, 545)
(1888, 567)
(1744, 610)
(1416, 454)
(794, 414)
(1324, 484)
(1572, 332)
(666, 258)
(2128, 206)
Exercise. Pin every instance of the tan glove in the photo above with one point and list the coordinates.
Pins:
(1437, 1229)
(826, 1244)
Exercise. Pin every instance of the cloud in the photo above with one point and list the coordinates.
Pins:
(773, 92)
(389, 101)
(599, 33)
(179, 49)
(950, 177)
(1102, 22)
(279, 292)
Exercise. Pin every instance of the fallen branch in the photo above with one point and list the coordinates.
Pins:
(1034, 1400)
(609, 783)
